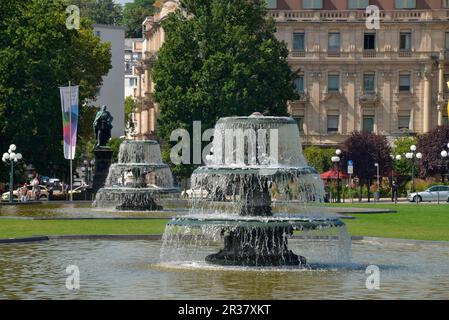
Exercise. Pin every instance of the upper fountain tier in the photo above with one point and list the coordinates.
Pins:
(256, 141)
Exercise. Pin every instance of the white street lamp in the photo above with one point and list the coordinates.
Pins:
(398, 157)
(336, 160)
(419, 156)
(413, 148)
(12, 158)
(444, 154)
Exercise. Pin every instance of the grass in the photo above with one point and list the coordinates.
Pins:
(419, 222)
(16, 228)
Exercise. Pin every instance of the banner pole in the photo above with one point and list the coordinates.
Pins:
(71, 141)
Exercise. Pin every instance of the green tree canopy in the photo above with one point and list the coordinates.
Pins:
(38, 54)
(100, 11)
(319, 158)
(401, 146)
(220, 58)
(134, 14)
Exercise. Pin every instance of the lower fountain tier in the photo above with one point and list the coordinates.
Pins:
(257, 246)
(233, 221)
(256, 241)
(137, 199)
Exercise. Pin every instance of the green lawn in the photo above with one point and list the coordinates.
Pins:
(420, 222)
(15, 228)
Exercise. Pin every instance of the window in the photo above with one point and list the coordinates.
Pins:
(404, 122)
(368, 82)
(300, 122)
(312, 4)
(445, 3)
(358, 4)
(368, 123)
(299, 84)
(334, 41)
(98, 34)
(447, 40)
(298, 41)
(333, 83)
(405, 4)
(271, 4)
(132, 82)
(404, 82)
(332, 123)
(369, 42)
(405, 41)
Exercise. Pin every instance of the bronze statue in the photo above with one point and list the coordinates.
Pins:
(102, 126)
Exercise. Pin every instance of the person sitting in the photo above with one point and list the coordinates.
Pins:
(24, 193)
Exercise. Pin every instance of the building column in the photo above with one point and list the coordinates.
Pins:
(441, 87)
(427, 117)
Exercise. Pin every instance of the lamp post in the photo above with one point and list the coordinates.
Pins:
(445, 155)
(336, 160)
(378, 181)
(413, 155)
(12, 157)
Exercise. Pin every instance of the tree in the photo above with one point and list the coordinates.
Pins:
(365, 149)
(401, 146)
(319, 158)
(430, 145)
(134, 14)
(130, 106)
(220, 58)
(37, 55)
(100, 11)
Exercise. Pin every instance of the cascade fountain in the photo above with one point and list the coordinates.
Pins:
(138, 180)
(252, 159)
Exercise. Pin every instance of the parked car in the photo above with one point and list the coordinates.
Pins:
(31, 195)
(194, 193)
(79, 189)
(434, 193)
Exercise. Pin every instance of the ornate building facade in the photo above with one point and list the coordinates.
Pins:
(390, 80)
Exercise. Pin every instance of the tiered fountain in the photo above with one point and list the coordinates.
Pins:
(252, 159)
(138, 180)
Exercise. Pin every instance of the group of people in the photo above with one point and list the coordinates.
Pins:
(24, 191)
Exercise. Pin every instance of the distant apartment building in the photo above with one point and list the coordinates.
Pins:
(111, 92)
(133, 54)
(390, 80)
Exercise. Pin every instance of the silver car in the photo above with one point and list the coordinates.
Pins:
(434, 193)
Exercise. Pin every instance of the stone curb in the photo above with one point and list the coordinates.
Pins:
(156, 237)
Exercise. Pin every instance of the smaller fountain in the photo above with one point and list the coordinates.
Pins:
(138, 180)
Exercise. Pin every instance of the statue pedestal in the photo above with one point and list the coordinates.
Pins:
(103, 159)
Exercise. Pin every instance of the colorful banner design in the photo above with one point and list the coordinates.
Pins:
(70, 108)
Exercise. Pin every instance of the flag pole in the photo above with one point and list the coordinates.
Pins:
(71, 141)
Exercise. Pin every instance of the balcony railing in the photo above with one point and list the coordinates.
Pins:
(358, 15)
(369, 53)
(405, 53)
(379, 54)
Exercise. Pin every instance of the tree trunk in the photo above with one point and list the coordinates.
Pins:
(361, 190)
(369, 189)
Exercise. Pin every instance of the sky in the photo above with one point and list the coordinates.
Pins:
(123, 1)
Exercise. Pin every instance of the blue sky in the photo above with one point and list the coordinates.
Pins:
(123, 1)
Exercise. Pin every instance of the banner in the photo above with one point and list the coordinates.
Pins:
(70, 110)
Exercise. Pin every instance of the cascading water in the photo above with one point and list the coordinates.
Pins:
(138, 180)
(253, 160)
